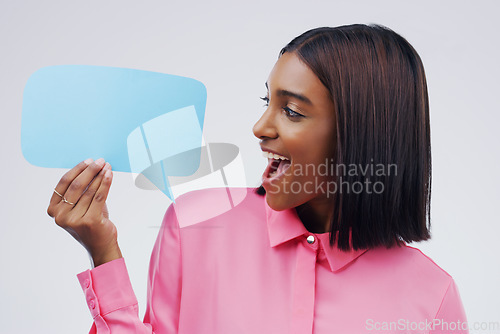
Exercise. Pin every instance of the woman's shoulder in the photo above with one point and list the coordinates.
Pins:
(408, 262)
(424, 260)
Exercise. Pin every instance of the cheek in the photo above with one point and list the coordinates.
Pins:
(315, 158)
(325, 137)
(314, 148)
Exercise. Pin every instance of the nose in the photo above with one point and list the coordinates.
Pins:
(265, 127)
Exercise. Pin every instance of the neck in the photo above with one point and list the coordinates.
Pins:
(316, 217)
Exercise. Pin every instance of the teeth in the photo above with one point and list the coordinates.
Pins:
(272, 174)
(270, 155)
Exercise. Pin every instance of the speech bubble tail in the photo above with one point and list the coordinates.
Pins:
(156, 175)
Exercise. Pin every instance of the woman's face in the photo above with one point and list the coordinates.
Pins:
(299, 125)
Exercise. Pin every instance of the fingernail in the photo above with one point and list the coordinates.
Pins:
(88, 161)
(107, 166)
(108, 174)
(100, 162)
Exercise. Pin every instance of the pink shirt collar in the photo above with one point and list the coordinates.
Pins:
(286, 225)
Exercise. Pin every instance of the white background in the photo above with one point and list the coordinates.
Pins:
(231, 47)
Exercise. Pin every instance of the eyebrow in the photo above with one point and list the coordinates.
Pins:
(283, 92)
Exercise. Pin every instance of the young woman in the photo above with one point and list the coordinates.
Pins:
(321, 245)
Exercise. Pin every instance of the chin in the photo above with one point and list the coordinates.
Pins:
(280, 202)
(273, 200)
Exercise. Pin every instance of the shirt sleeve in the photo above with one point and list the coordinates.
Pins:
(111, 299)
(450, 317)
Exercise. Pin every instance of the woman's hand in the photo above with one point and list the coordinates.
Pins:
(80, 208)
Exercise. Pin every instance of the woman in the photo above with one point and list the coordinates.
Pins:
(347, 135)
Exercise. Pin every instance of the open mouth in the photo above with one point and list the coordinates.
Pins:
(276, 167)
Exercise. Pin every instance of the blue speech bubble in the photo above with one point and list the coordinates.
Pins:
(134, 119)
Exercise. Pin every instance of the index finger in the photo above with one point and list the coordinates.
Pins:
(67, 178)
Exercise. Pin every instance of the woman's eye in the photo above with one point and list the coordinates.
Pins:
(288, 112)
(292, 114)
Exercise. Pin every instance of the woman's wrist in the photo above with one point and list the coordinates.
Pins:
(108, 256)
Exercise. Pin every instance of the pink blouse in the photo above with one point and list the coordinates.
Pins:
(253, 270)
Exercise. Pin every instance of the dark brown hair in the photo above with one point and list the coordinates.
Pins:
(377, 83)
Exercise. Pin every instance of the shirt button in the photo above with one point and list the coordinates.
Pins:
(87, 283)
(92, 304)
(310, 239)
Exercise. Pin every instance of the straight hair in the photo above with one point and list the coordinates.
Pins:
(377, 83)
